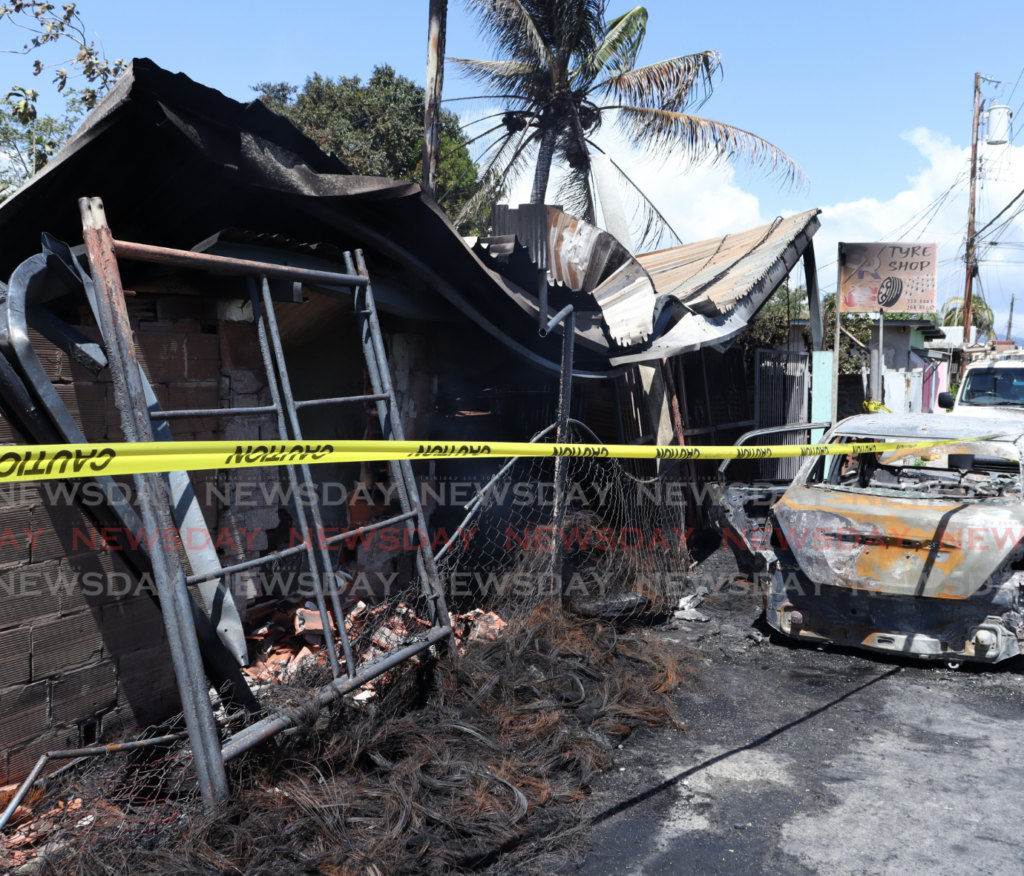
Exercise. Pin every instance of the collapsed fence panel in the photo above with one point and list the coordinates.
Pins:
(621, 538)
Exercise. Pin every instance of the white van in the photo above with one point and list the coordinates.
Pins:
(990, 388)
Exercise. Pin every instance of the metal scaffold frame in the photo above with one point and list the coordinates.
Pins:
(140, 416)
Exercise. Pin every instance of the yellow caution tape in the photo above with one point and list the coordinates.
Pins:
(54, 461)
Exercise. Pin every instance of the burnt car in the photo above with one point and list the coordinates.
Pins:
(918, 552)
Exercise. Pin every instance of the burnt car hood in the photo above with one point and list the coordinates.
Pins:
(901, 546)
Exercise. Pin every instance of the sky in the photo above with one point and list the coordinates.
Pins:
(872, 99)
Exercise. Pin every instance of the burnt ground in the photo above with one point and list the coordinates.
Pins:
(802, 760)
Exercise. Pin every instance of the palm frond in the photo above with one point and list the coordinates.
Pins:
(501, 77)
(619, 47)
(671, 85)
(575, 195)
(506, 165)
(981, 314)
(574, 191)
(574, 27)
(510, 28)
(663, 133)
(646, 219)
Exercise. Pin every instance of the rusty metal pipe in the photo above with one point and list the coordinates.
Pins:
(211, 412)
(298, 549)
(161, 255)
(67, 753)
(263, 730)
(168, 574)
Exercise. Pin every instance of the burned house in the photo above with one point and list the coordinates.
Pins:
(448, 344)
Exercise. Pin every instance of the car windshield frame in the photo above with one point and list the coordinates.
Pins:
(832, 472)
(1007, 380)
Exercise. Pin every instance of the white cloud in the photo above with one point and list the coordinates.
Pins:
(698, 201)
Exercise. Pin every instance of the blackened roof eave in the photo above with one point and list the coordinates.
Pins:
(172, 173)
(148, 77)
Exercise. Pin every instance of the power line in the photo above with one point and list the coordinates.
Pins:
(1015, 84)
(1018, 196)
(936, 204)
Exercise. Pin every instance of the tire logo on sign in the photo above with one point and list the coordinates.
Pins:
(890, 291)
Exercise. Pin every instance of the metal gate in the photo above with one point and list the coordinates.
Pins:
(780, 399)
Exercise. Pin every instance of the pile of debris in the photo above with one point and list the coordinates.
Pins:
(288, 634)
(451, 767)
(28, 836)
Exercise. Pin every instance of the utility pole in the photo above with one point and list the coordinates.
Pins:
(969, 254)
(838, 330)
(432, 100)
(1009, 324)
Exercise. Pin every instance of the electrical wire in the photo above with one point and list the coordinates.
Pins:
(1015, 84)
(936, 204)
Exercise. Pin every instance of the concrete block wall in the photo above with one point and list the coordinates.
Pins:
(83, 654)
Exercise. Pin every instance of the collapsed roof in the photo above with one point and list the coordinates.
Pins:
(182, 165)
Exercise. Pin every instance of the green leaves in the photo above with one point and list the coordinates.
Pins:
(981, 314)
(49, 26)
(24, 108)
(376, 128)
(28, 141)
(618, 49)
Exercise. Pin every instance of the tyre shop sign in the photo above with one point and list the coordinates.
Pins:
(887, 276)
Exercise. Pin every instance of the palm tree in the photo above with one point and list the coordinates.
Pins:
(981, 314)
(563, 70)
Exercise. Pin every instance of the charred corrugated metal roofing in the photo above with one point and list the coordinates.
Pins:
(713, 288)
(711, 276)
(177, 163)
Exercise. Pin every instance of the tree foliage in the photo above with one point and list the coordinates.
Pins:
(376, 128)
(28, 140)
(981, 314)
(770, 329)
(45, 25)
(27, 147)
(561, 70)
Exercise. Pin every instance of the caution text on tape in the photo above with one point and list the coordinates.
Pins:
(57, 461)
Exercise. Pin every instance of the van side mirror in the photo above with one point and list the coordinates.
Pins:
(946, 400)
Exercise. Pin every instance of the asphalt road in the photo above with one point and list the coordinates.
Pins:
(798, 760)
